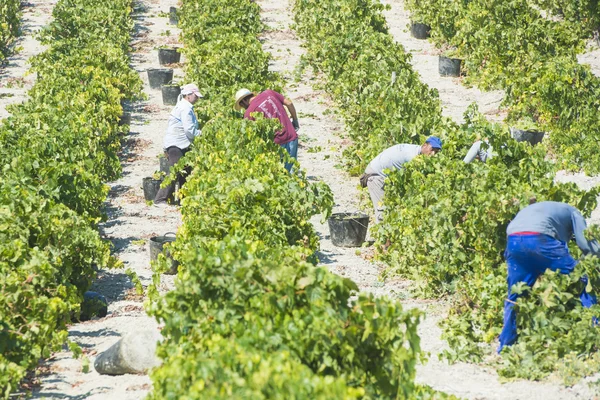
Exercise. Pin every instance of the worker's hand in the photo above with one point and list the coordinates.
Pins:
(295, 124)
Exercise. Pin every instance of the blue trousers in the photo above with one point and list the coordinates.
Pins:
(292, 149)
(528, 257)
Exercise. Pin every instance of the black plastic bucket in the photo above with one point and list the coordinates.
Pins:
(159, 76)
(151, 187)
(532, 137)
(419, 30)
(125, 119)
(170, 93)
(164, 164)
(173, 19)
(157, 245)
(449, 66)
(93, 305)
(168, 56)
(348, 229)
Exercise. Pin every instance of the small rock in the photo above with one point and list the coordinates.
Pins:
(133, 354)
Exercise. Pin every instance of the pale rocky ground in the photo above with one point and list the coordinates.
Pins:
(131, 220)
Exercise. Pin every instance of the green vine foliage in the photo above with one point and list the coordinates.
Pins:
(10, 22)
(251, 315)
(58, 149)
(528, 48)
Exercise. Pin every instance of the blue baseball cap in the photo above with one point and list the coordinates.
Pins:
(435, 142)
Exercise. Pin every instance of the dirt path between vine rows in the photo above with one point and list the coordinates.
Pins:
(131, 222)
(14, 81)
(322, 140)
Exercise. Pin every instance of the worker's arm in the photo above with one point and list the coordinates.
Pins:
(579, 226)
(190, 125)
(473, 151)
(290, 106)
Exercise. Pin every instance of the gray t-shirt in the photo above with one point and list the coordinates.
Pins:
(559, 220)
(393, 158)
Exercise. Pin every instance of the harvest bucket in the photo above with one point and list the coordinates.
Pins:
(93, 305)
(157, 244)
(348, 229)
(173, 19)
(159, 76)
(449, 66)
(170, 93)
(164, 164)
(533, 137)
(419, 31)
(168, 56)
(125, 119)
(151, 188)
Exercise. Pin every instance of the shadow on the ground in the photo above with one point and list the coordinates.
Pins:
(120, 244)
(48, 394)
(326, 257)
(95, 333)
(112, 285)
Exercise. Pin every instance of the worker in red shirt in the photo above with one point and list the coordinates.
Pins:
(273, 105)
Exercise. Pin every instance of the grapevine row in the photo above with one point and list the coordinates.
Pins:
(9, 26)
(58, 149)
(529, 48)
(445, 221)
(251, 316)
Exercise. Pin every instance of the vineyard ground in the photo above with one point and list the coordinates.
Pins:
(131, 222)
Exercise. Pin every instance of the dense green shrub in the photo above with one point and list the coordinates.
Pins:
(9, 26)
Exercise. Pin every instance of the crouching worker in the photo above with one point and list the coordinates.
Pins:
(393, 158)
(181, 131)
(537, 241)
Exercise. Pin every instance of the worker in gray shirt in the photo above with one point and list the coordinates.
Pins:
(391, 159)
(481, 150)
(537, 241)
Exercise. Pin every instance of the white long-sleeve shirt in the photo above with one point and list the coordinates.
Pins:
(182, 126)
(476, 151)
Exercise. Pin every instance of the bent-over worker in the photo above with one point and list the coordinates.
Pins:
(273, 105)
(393, 158)
(182, 129)
(537, 241)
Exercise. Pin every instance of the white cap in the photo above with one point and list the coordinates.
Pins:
(191, 88)
(241, 95)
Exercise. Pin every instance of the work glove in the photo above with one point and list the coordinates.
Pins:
(295, 124)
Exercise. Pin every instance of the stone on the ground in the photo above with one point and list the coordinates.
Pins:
(133, 354)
